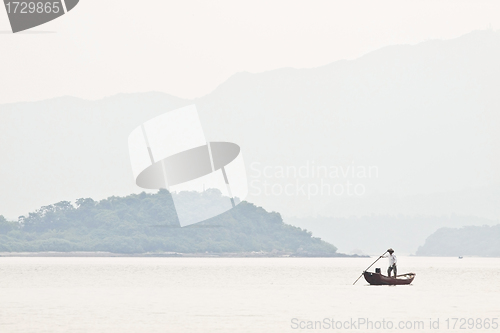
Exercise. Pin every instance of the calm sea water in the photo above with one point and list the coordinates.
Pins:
(239, 295)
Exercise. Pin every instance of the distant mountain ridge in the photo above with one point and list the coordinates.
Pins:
(425, 115)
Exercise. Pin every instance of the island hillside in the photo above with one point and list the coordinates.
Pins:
(147, 223)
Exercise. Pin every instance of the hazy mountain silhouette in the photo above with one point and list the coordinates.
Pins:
(67, 147)
(467, 241)
(425, 115)
(373, 234)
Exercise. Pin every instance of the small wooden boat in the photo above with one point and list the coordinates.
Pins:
(378, 279)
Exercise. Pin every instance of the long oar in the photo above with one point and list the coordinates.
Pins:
(369, 267)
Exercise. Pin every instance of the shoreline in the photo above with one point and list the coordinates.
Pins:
(179, 255)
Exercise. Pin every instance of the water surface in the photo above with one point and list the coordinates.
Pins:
(235, 295)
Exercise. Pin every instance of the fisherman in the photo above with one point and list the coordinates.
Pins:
(392, 263)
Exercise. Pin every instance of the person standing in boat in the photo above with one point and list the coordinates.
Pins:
(393, 260)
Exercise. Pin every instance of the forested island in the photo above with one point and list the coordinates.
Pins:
(147, 223)
(481, 241)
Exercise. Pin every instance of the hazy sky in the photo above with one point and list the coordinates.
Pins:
(187, 48)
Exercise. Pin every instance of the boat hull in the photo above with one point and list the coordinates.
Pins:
(378, 279)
